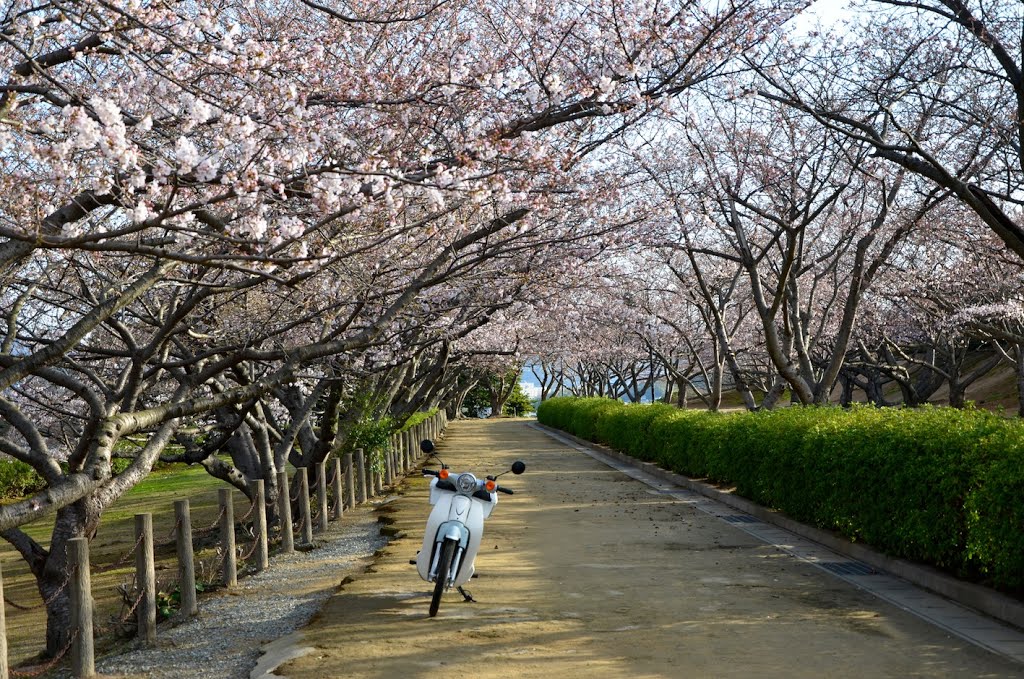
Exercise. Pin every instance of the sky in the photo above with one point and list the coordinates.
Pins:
(531, 389)
(825, 11)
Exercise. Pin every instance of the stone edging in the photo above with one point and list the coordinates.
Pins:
(980, 598)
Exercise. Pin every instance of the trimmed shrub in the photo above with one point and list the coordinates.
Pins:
(936, 485)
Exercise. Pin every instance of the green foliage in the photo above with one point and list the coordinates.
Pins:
(477, 401)
(936, 485)
(417, 418)
(373, 435)
(518, 403)
(18, 479)
(168, 602)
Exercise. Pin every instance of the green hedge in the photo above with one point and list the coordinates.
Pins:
(935, 485)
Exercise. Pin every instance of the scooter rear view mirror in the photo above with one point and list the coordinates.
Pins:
(518, 467)
(427, 446)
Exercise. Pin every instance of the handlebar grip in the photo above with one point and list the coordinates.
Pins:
(430, 472)
(507, 491)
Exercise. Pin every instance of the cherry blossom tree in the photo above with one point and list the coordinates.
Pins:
(932, 86)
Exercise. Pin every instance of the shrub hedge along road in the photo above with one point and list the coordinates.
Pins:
(939, 486)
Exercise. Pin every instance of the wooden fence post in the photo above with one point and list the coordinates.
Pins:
(284, 513)
(336, 486)
(350, 481)
(321, 495)
(3, 635)
(389, 463)
(83, 657)
(186, 559)
(259, 524)
(376, 480)
(227, 536)
(145, 579)
(361, 493)
(403, 442)
(306, 524)
(371, 484)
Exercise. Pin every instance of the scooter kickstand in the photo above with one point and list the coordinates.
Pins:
(466, 596)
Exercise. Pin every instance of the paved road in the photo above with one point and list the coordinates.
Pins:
(588, 573)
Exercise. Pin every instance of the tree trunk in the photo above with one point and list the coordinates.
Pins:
(716, 385)
(957, 393)
(959, 383)
(78, 520)
(454, 409)
(846, 393)
(1018, 354)
(773, 395)
(875, 390)
(682, 396)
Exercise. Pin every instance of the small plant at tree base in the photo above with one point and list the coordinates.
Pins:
(168, 601)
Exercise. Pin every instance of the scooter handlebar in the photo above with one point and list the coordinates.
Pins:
(448, 485)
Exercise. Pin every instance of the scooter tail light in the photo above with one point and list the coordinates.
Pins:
(490, 486)
(443, 474)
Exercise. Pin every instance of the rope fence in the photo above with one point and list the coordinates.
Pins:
(252, 550)
(206, 530)
(335, 489)
(120, 562)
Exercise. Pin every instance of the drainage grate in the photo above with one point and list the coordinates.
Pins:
(847, 567)
(740, 518)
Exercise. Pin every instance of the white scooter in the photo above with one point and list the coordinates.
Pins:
(455, 525)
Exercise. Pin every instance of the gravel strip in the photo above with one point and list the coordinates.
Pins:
(225, 640)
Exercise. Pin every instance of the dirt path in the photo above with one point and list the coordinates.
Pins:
(586, 573)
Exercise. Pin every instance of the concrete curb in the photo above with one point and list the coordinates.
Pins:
(980, 598)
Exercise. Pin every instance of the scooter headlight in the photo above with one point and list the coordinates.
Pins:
(466, 483)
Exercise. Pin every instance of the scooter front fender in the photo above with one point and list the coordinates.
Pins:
(469, 519)
(455, 530)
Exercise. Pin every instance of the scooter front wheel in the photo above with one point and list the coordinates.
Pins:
(444, 564)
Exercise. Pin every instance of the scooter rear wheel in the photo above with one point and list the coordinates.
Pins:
(444, 564)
